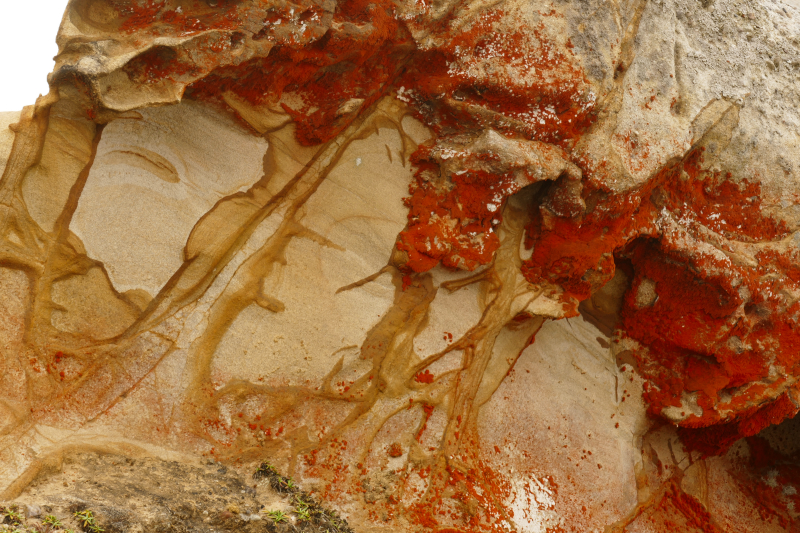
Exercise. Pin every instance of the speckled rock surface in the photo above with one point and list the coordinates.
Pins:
(452, 266)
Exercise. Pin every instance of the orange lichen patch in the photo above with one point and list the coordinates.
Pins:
(577, 253)
(717, 439)
(783, 263)
(139, 15)
(188, 24)
(680, 328)
(347, 70)
(428, 410)
(730, 208)
(424, 377)
(460, 190)
(536, 91)
(453, 223)
(772, 480)
(535, 88)
(705, 337)
(154, 17)
(395, 450)
(705, 376)
(712, 326)
(471, 499)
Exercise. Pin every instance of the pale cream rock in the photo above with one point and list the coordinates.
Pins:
(690, 55)
(725, 496)
(6, 135)
(561, 401)
(88, 306)
(14, 286)
(345, 233)
(444, 323)
(153, 178)
(66, 155)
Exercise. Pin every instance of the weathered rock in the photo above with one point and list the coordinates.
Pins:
(123, 494)
(453, 266)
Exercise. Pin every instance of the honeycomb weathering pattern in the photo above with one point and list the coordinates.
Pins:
(454, 266)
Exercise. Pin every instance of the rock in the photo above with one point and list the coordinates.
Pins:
(123, 495)
(451, 267)
(33, 511)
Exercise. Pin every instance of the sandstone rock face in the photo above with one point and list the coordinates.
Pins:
(452, 266)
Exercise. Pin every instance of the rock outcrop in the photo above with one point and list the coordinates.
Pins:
(451, 266)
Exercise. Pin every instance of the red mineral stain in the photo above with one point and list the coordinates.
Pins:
(424, 377)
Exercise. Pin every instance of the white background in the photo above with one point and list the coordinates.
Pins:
(27, 45)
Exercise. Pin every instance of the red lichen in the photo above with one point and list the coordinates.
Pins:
(343, 66)
(538, 89)
(151, 16)
(481, 494)
(395, 450)
(772, 480)
(424, 377)
(541, 95)
(717, 439)
(452, 225)
(713, 325)
(138, 16)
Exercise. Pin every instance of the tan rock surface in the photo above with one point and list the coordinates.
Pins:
(453, 267)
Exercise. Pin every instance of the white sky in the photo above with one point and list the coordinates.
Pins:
(27, 45)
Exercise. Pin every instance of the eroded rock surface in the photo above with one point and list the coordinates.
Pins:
(452, 266)
(126, 494)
